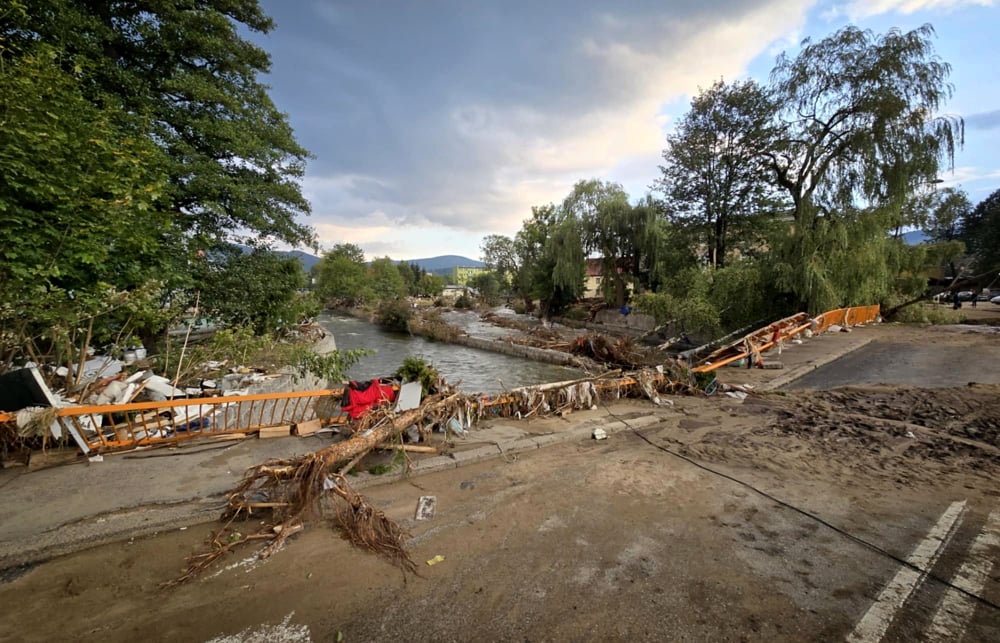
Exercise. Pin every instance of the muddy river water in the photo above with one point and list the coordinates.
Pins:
(471, 370)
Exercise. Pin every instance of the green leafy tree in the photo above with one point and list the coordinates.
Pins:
(385, 281)
(608, 228)
(187, 71)
(530, 249)
(488, 286)
(341, 276)
(133, 136)
(257, 290)
(858, 134)
(430, 285)
(949, 209)
(409, 277)
(80, 224)
(981, 234)
(503, 256)
(560, 269)
(714, 175)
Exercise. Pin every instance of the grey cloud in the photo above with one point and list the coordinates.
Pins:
(387, 90)
(984, 120)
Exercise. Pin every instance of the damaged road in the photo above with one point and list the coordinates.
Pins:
(779, 517)
(614, 538)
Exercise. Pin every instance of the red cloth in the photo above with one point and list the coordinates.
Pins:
(360, 401)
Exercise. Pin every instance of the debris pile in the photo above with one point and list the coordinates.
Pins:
(293, 490)
(116, 403)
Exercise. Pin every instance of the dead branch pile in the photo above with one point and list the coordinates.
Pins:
(294, 489)
(621, 352)
(537, 331)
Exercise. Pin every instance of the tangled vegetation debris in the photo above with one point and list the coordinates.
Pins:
(293, 489)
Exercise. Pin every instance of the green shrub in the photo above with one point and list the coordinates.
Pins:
(927, 313)
(395, 315)
(415, 369)
(577, 314)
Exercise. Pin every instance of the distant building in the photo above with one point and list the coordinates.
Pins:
(592, 285)
(452, 292)
(461, 275)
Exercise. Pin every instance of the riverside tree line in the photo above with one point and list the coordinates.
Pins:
(778, 197)
(139, 146)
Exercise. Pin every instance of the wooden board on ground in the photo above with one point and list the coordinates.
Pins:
(43, 459)
(276, 431)
(307, 428)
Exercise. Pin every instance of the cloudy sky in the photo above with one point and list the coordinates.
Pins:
(437, 122)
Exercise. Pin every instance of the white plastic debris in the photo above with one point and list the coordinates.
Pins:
(425, 507)
(600, 434)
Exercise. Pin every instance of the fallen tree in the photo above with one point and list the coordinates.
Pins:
(294, 489)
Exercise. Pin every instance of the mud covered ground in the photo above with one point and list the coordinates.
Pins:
(902, 433)
(613, 540)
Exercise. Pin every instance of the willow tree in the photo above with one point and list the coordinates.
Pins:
(560, 271)
(608, 229)
(861, 130)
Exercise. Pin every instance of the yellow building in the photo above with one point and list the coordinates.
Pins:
(460, 275)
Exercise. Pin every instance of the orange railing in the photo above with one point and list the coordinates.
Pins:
(845, 317)
(116, 426)
(767, 337)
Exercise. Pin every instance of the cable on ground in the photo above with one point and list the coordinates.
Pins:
(861, 541)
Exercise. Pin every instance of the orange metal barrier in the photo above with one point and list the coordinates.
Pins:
(845, 317)
(765, 338)
(117, 426)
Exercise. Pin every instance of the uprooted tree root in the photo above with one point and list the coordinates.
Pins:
(294, 489)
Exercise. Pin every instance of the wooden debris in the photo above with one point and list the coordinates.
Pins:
(307, 428)
(282, 431)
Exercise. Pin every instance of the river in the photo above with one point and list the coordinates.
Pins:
(469, 369)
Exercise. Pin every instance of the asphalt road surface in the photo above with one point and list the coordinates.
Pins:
(939, 358)
(610, 540)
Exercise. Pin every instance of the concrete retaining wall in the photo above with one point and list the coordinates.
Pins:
(634, 321)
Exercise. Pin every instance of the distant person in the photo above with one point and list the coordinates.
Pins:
(974, 298)
(956, 302)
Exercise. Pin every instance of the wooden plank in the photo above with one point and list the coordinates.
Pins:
(307, 428)
(276, 431)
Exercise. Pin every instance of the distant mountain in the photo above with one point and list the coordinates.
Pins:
(438, 265)
(445, 263)
(915, 238)
(307, 260)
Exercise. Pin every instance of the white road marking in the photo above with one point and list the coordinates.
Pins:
(876, 621)
(955, 610)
